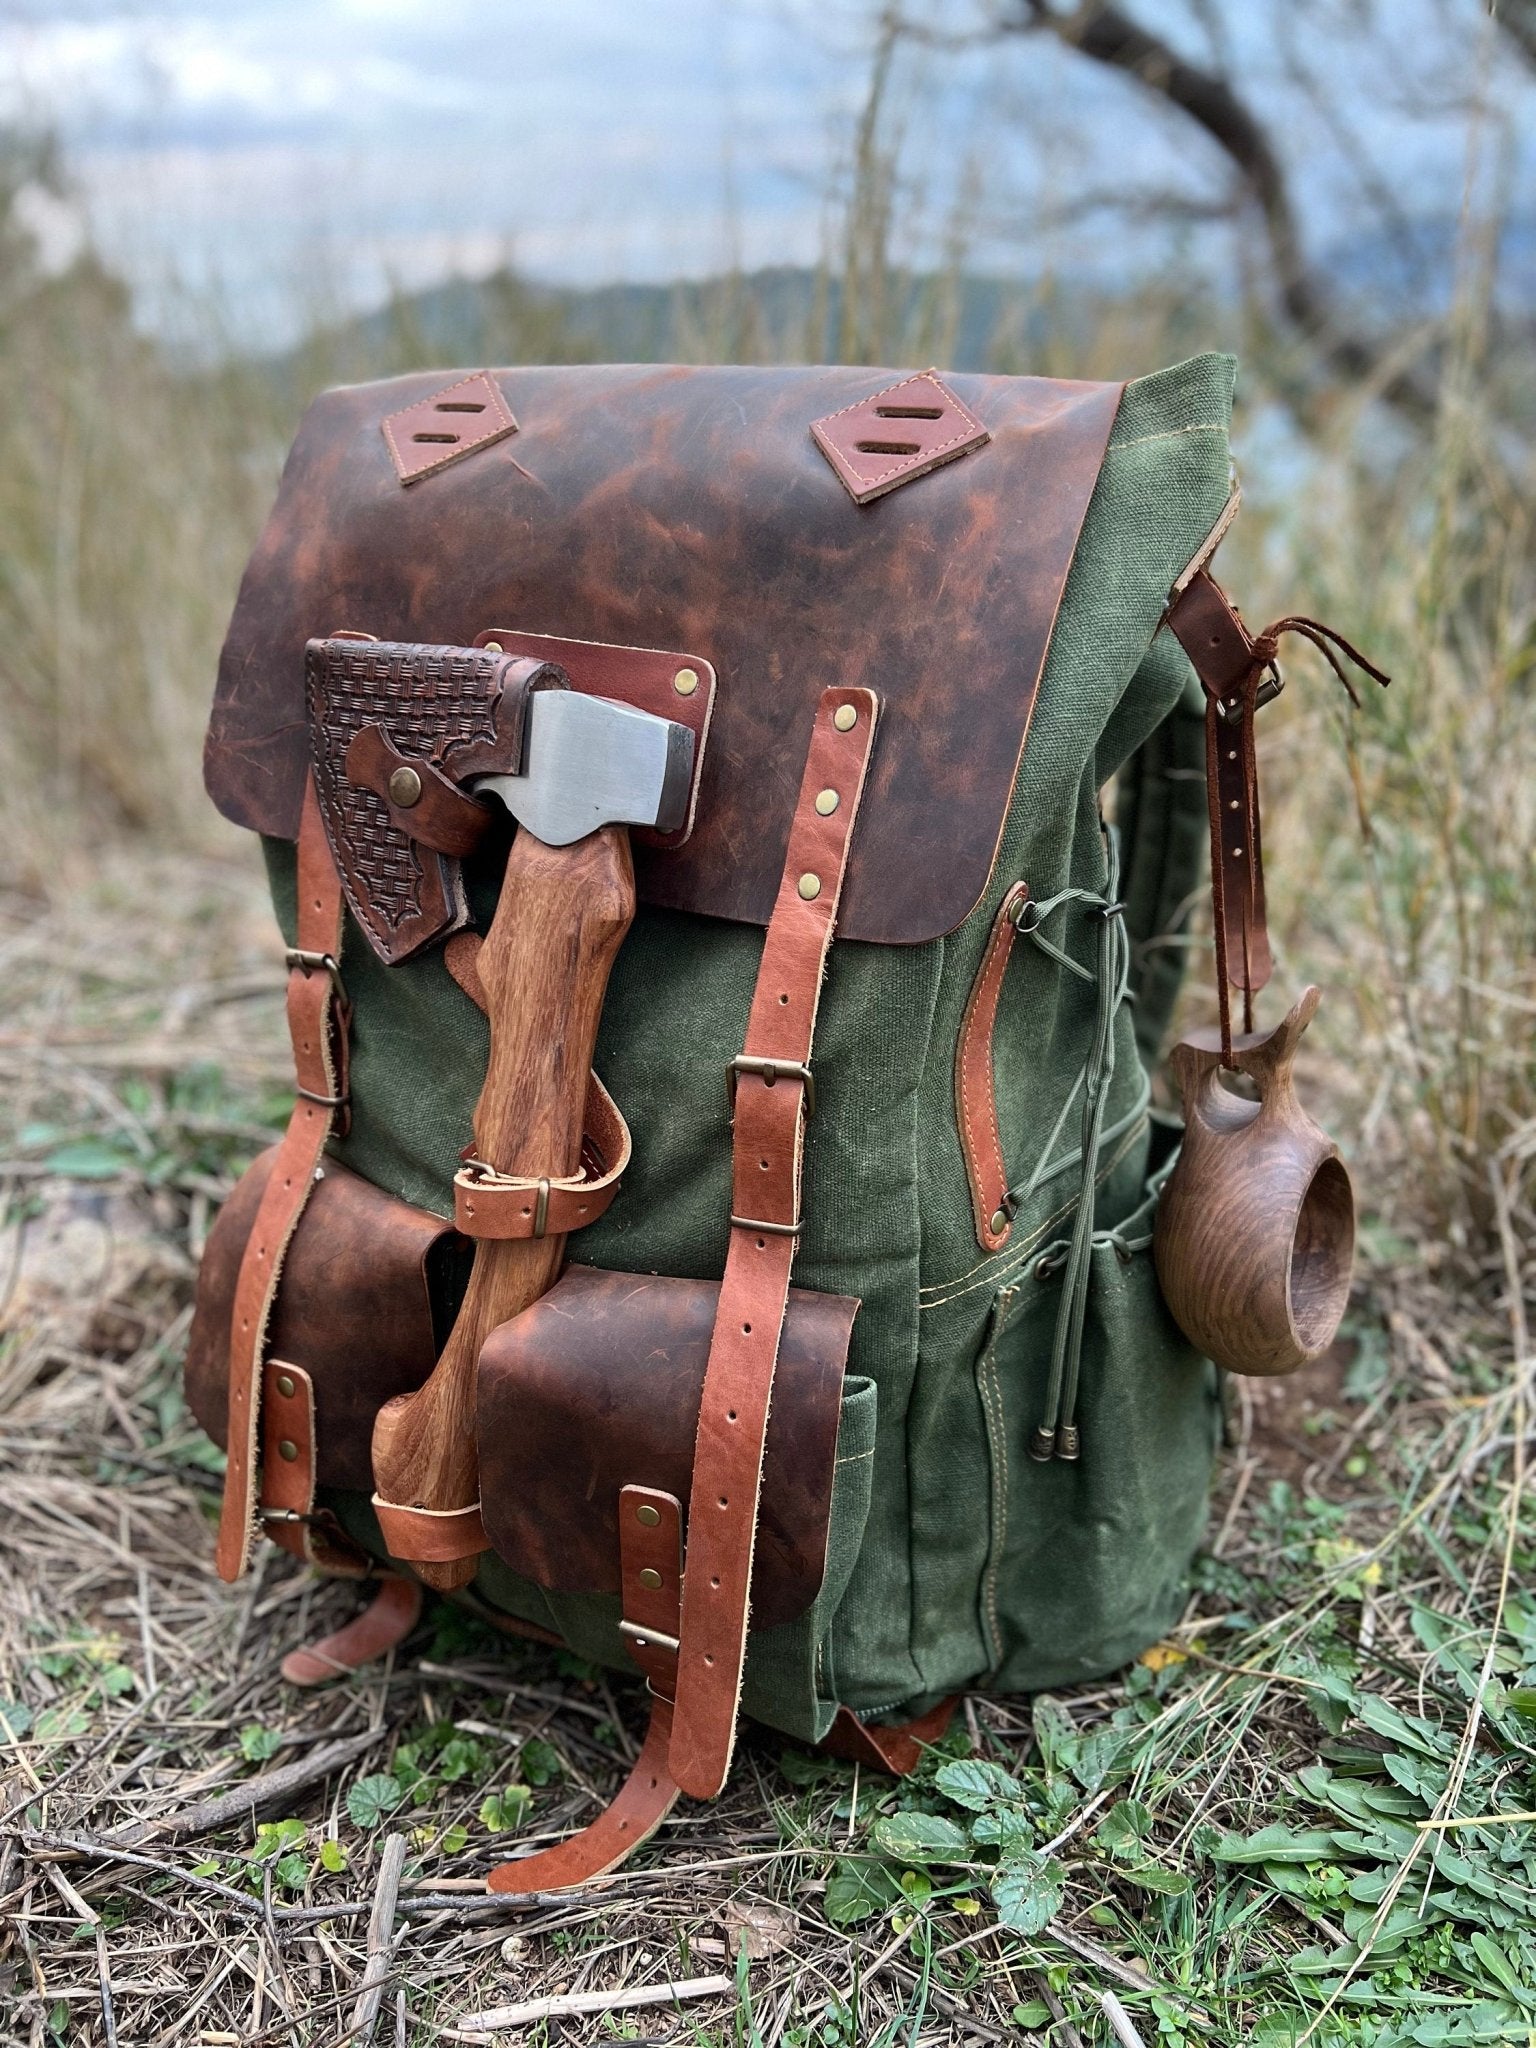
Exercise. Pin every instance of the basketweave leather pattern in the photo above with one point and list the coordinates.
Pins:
(460, 708)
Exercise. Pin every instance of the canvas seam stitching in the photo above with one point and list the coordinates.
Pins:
(992, 1409)
(1172, 434)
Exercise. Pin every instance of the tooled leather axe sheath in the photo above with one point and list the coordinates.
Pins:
(575, 771)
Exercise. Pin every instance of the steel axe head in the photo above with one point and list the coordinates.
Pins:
(591, 761)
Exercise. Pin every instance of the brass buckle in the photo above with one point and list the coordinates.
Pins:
(309, 963)
(1266, 693)
(769, 1071)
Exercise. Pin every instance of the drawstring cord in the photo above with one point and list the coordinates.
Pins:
(1057, 1436)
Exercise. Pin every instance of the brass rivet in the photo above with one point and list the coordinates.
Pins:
(405, 788)
(845, 718)
(647, 1515)
(287, 1450)
(650, 1577)
(999, 1222)
(827, 802)
(685, 682)
(285, 1385)
(493, 647)
(810, 887)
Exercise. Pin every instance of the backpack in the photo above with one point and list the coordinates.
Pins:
(838, 1288)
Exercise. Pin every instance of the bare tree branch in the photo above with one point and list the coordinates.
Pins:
(1109, 36)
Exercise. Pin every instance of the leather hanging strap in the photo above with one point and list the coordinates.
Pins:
(1238, 675)
(317, 1025)
(491, 1204)
(651, 1563)
(773, 1095)
(975, 1085)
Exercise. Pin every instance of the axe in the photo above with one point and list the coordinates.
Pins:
(591, 768)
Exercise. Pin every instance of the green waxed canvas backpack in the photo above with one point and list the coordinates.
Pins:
(988, 1443)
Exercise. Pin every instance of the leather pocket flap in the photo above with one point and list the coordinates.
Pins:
(352, 1310)
(597, 1386)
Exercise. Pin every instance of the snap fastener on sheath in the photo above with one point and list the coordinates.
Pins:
(810, 887)
(405, 788)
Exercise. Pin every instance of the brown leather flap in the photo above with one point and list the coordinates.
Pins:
(597, 1386)
(352, 1310)
(692, 508)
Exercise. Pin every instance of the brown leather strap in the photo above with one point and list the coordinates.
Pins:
(423, 803)
(288, 1513)
(317, 1025)
(1231, 670)
(1237, 672)
(491, 1204)
(975, 1088)
(651, 1560)
(896, 1749)
(772, 1094)
(430, 1535)
(383, 1624)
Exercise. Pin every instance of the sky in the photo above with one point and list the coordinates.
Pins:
(294, 152)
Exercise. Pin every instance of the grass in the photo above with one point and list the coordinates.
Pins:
(1303, 1817)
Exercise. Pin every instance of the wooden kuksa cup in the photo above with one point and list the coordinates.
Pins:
(1255, 1237)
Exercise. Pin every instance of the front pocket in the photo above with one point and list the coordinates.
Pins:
(597, 1385)
(1086, 1557)
(353, 1309)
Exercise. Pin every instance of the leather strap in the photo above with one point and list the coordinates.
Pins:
(317, 1025)
(491, 1204)
(975, 1087)
(1238, 674)
(430, 1535)
(896, 1749)
(1231, 670)
(383, 1624)
(771, 1100)
(651, 1560)
(288, 1513)
(435, 811)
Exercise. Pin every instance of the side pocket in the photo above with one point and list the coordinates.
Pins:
(1087, 1558)
(353, 1309)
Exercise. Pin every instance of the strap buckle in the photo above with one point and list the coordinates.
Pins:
(770, 1071)
(310, 963)
(771, 1229)
(1266, 693)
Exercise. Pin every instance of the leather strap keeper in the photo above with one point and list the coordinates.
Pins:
(493, 1205)
(430, 1535)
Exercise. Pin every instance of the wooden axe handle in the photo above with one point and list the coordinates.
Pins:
(544, 967)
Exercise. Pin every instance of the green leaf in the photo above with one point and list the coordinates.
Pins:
(116, 1680)
(15, 1720)
(1028, 1893)
(505, 1809)
(1152, 1877)
(333, 1856)
(258, 1743)
(276, 1838)
(458, 1758)
(1275, 1844)
(1124, 1828)
(1032, 2015)
(291, 1872)
(972, 1782)
(540, 1762)
(920, 1838)
(370, 1799)
(1010, 1830)
(1384, 1719)
(87, 1159)
(1496, 1963)
(858, 1891)
(454, 1839)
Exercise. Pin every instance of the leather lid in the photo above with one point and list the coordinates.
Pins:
(596, 1387)
(673, 507)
